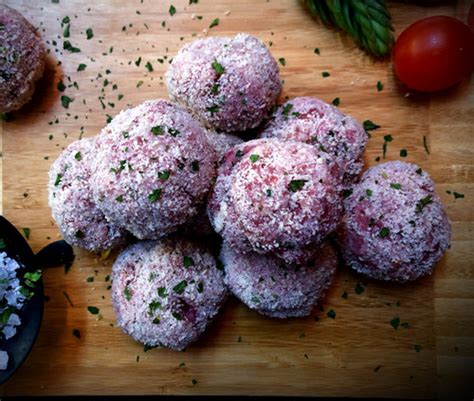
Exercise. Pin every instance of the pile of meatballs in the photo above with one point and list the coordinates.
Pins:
(280, 209)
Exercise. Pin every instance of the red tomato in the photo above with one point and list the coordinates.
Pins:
(434, 53)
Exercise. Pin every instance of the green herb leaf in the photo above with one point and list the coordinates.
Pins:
(296, 185)
(164, 175)
(384, 232)
(215, 89)
(89, 33)
(3, 245)
(180, 287)
(395, 186)
(59, 177)
(65, 101)
(282, 61)
(403, 153)
(127, 293)
(214, 23)
(155, 195)
(457, 195)
(93, 310)
(174, 132)
(331, 314)
(425, 145)
(26, 232)
(317, 51)
(336, 101)
(81, 67)
(369, 125)
(69, 47)
(177, 316)
(359, 289)
(217, 67)
(67, 31)
(162, 292)
(325, 74)
(78, 156)
(188, 261)
(253, 158)
(172, 10)
(148, 66)
(368, 192)
(420, 205)
(157, 130)
(395, 322)
(379, 86)
(195, 165)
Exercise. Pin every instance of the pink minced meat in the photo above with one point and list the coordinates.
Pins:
(395, 227)
(337, 136)
(153, 168)
(80, 221)
(276, 197)
(266, 284)
(166, 292)
(22, 59)
(229, 84)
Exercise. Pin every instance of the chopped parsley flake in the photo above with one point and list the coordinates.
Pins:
(344, 295)
(188, 261)
(61, 87)
(164, 175)
(269, 192)
(296, 185)
(148, 66)
(89, 33)
(317, 51)
(90, 279)
(253, 158)
(157, 130)
(172, 10)
(369, 125)
(79, 234)
(2, 244)
(282, 61)
(67, 31)
(200, 287)
(384, 232)
(78, 156)
(420, 205)
(215, 89)
(59, 177)
(155, 195)
(138, 61)
(457, 195)
(26, 232)
(217, 67)
(403, 153)
(68, 46)
(286, 110)
(162, 292)
(395, 322)
(395, 186)
(81, 67)
(127, 293)
(325, 74)
(379, 86)
(180, 287)
(156, 320)
(93, 310)
(359, 289)
(195, 165)
(174, 132)
(76, 333)
(153, 306)
(336, 101)
(65, 101)
(214, 23)
(417, 347)
(194, 381)
(331, 314)
(177, 316)
(213, 109)
(368, 192)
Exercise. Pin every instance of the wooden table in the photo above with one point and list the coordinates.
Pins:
(356, 354)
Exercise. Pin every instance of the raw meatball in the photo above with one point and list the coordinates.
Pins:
(80, 221)
(395, 227)
(229, 84)
(274, 289)
(275, 197)
(22, 59)
(166, 292)
(337, 136)
(153, 169)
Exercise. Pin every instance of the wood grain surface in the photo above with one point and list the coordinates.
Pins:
(356, 354)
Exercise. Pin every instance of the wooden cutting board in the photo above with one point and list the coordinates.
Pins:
(358, 353)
